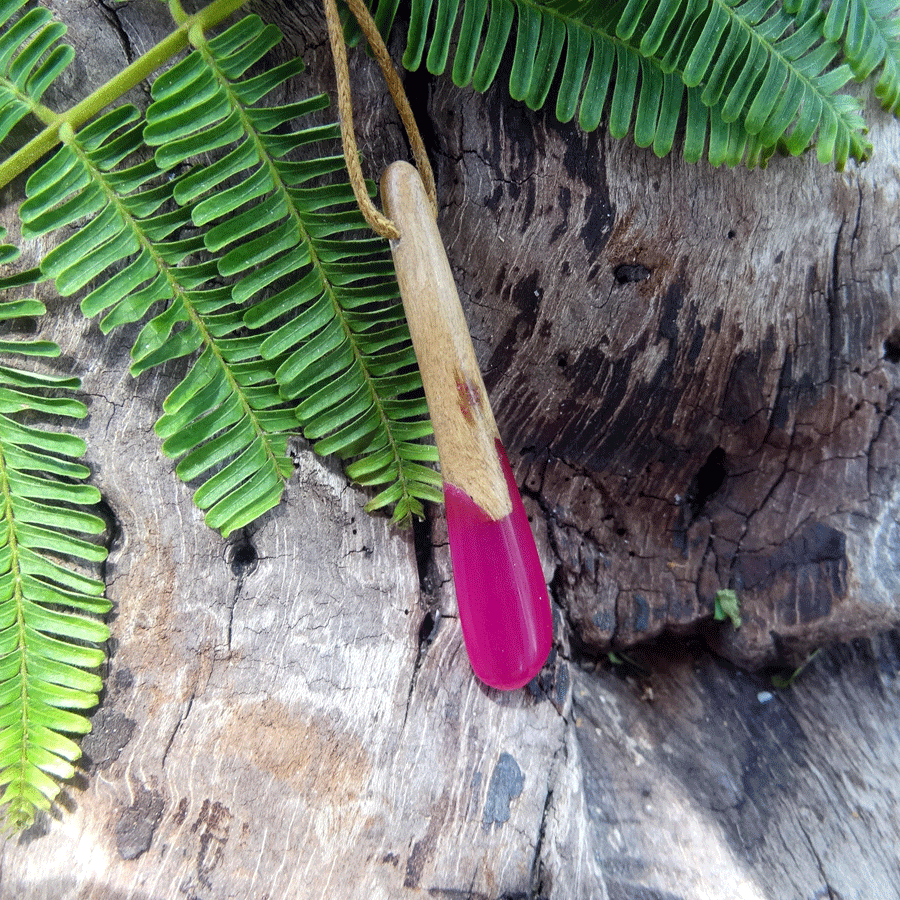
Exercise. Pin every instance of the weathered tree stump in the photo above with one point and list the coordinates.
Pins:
(696, 375)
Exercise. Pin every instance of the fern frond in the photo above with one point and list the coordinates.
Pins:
(138, 251)
(767, 77)
(757, 66)
(234, 260)
(869, 34)
(322, 308)
(775, 72)
(48, 605)
(32, 56)
(576, 46)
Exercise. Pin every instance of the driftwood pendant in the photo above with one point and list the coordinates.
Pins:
(500, 590)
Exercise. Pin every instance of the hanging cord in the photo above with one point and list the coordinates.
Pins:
(379, 222)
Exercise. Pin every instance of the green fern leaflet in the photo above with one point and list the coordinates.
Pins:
(48, 604)
(31, 58)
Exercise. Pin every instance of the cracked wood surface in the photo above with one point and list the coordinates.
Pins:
(695, 372)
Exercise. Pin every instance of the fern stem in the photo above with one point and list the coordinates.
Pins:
(42, 113)
(104, 96)
(176, 11)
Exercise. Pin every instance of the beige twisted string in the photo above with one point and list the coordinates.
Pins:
(379, 222)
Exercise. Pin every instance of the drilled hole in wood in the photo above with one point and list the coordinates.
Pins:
(631, 273)
(243, 557)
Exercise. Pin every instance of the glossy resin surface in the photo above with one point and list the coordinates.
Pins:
(503, 603)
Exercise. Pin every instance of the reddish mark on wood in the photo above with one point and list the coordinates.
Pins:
(469, 397)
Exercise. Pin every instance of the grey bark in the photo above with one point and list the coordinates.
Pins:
(695, 372)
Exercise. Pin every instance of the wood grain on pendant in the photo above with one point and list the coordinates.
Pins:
(464, 426)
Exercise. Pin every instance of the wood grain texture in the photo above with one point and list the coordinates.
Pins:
(290, 713)
(704, 782)
(464, 427)
(692, 371)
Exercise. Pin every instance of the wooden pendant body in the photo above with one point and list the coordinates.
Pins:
(464, 426)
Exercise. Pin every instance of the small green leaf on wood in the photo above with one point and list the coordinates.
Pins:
(728, 607)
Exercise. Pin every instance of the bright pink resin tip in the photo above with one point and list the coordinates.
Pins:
(500, 590)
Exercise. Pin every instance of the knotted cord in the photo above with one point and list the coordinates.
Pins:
(380, 223)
